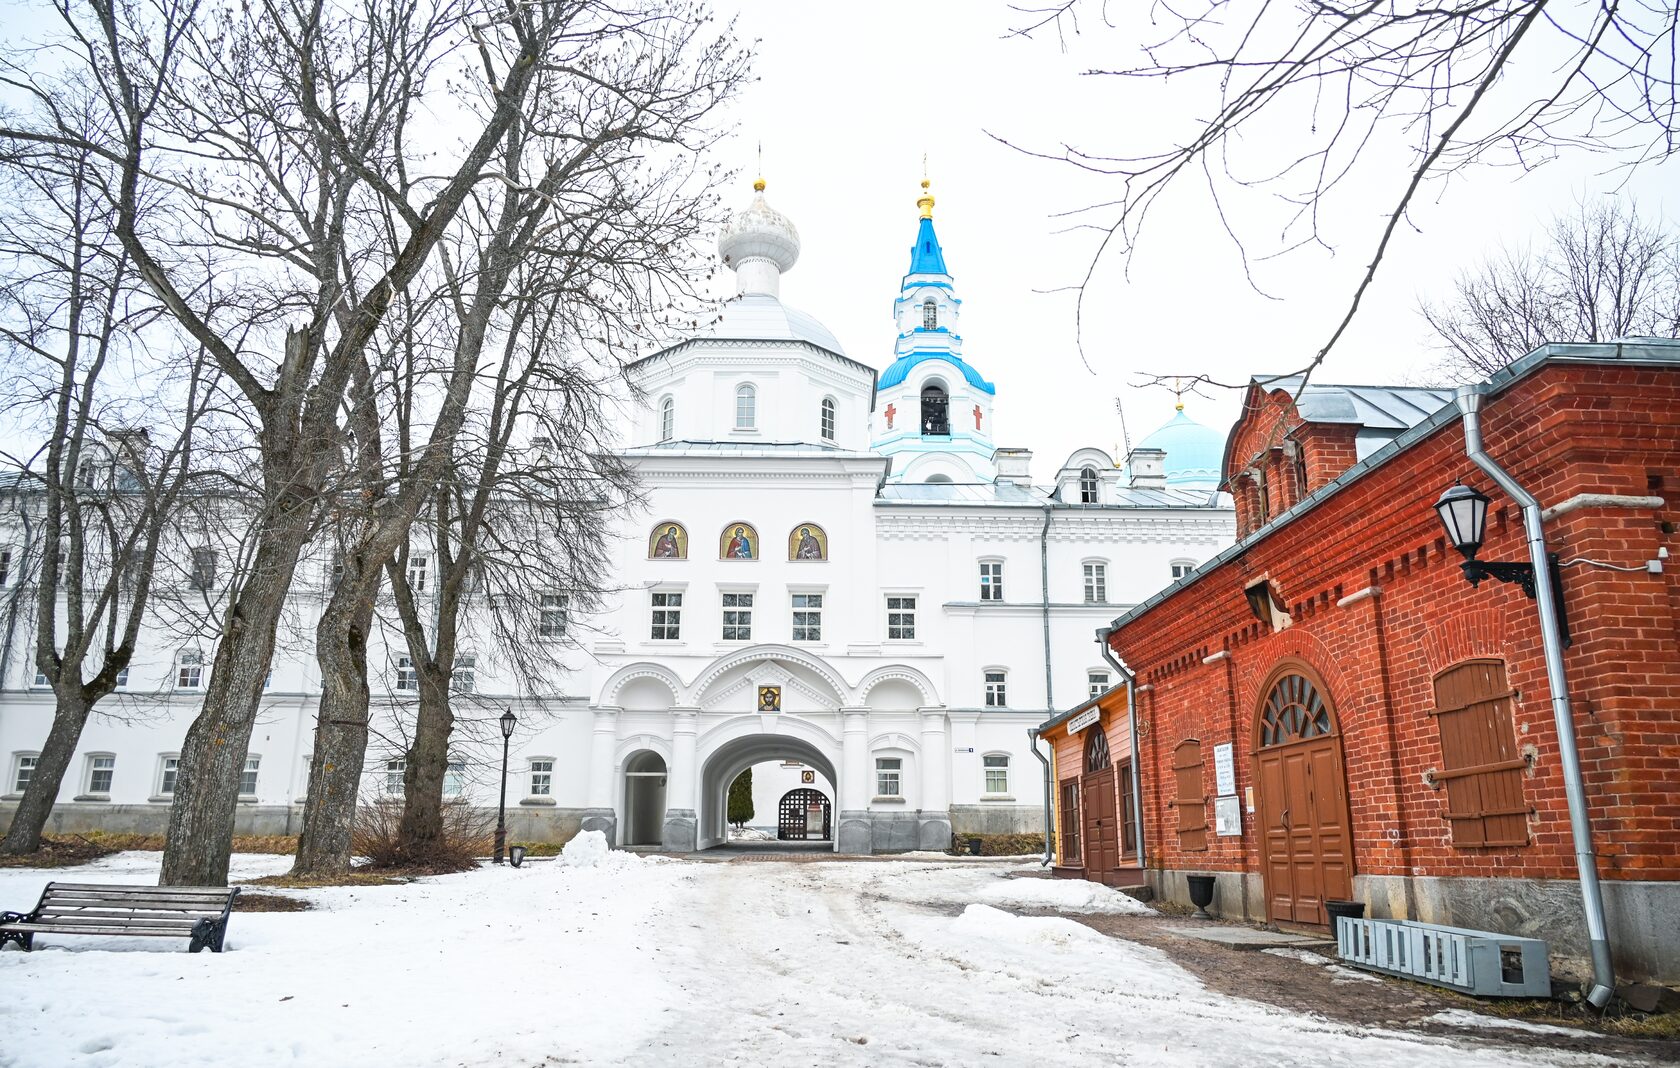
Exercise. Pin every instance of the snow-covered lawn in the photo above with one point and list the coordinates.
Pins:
(633, 961)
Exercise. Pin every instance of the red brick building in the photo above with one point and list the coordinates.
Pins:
(1329, 709)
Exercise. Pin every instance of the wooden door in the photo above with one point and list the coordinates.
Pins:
(1306, 832)
(1102, 837)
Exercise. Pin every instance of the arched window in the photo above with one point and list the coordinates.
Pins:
(667, 419)
(1294, 712)
(828, 419)
(746, 407)
(1087, 485)
(937, 480)
(935, 411)
(930, 315)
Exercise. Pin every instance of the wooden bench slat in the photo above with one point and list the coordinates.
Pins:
(106, 915)
(198, 913)
(123, 910)
(223, 890)
(139, 932)
(164, 903)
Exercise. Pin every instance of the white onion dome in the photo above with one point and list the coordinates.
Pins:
(758, 244)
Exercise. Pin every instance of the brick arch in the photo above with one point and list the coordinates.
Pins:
(1474, 635)
(1261, 665)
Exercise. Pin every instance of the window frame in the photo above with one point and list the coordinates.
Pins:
(1091, 677)
(987, 788)
(1173, 567)
(91, 768)
(418, 570)
(189, 660)
(405, 675)
(746, 392)
(531, 773)
(397, 766)
(463, 677)
(1094, 581)
(828, 419)
(896, 771)
(550, 602)
(1090, 487)
(457, 769)
(930, 314)
(991, 586)
(667, 615)
(162, 778)
(667, 418)
(907, 616)
(994, 687)
(795, 611)
(730, 603)
(15, 768)
(254, 772)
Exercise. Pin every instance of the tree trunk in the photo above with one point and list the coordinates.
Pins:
(30, 818)
(213, 755)
(341, 728)
(428, 764)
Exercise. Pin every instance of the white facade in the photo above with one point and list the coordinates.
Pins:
(890, 606)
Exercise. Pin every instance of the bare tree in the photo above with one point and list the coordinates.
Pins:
(599, 193)
(98, 496)
(274, 147)
(1308, 101)
(1600, 273)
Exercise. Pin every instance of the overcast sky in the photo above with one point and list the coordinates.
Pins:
(851, 96)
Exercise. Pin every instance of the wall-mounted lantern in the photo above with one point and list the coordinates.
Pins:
(1463, 512)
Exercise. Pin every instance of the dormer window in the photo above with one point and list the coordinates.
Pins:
(930, 315)
(1087, 485)
(935, 411)
(667, 419)
(746, 408)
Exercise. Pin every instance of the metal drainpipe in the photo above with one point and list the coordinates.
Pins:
(1137, 757)
(1604, 976)
(1049, 855)
(1044, 586)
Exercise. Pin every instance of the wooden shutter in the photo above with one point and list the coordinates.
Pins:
(1070, 821)
(1192, 803)
(1481, 770)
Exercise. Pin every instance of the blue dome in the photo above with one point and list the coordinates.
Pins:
(1195, 453)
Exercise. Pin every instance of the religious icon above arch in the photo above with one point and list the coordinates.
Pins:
(739, 542)
(668, 541)
(807, 541)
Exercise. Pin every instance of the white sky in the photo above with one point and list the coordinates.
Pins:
(847, 104)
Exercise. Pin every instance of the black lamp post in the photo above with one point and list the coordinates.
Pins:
(1463, 512)
(508, 722)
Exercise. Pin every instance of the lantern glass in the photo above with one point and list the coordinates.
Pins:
(1463, 513)
(508, 721)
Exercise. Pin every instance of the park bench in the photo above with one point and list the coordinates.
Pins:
(198, 913)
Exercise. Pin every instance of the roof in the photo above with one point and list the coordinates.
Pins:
(1011, 494)
(899, 369)
(1195, 453)
(746, 448)
(1634, 350)
(759, 316)
(1373, 407)
(926, 257)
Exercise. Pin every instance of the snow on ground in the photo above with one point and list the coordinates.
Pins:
(1466, 1018)
(1342, 973)
(628, 961)
(1065, 895)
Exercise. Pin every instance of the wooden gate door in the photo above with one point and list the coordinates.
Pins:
(1102, 832)
(1306, 835)
(794, 818)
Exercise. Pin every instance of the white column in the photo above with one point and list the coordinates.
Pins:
(936, 761)
(683, 775)
(600, 813)
(857, 780)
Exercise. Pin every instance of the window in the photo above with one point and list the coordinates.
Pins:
(1070, 821)
(1097, 682)
(23, 769)
(122, 678)
(464, 679)
(1087, 485)
(827, 419)
(203, 568)
(336, 574)
(1181, 568)
(454, 778)
(551, 615)
(394, 770)
(995, 697)
(667, 419)
(888, 776)
(935, 411)
(41, 681)
(168, 768)
(930, 315)
(807, 617)
(901, 619)
(746, 407)
(737, 617)
(408, 677)
(997, 773)
(190, 672)
(542, 778)
(667, 616)
(1096, 583)
(1192, 802)
(991, 580)
(1128, 812)
(248, 777)
(1481, 766)
(5, 566)
(100, 768)
(417, 568)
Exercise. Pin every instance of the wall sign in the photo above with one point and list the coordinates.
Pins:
(1227, 816)
(1224, 770)
(1083, 720)
(963, 749)
(807, 776)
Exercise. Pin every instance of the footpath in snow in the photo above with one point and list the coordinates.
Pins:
(604, 958)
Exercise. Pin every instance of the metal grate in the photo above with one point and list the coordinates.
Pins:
(1475, 962)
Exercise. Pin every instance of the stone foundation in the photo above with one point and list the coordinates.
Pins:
(997, 819)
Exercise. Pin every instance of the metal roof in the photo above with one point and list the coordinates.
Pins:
(1373, 407)
(1634, 350)
(1010, 494)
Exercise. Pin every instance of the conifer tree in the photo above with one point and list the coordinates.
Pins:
(740, 799)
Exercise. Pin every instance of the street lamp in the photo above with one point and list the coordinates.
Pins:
(1463, 513)
(508, 723)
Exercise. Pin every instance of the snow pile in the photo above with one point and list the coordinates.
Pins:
(586, 850)
(1067, 895)
(750, 834)
(983, 921)
(1466, 1018)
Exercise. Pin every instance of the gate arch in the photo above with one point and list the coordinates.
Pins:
(1300, 786)
(748, 743)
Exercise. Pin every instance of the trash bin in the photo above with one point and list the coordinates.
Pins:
(516, 855)
(1353, 910)
(1201, 895)
(974, 847)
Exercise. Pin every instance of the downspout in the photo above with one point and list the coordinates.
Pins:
(1032, 740)
(1132, 718)
(1044, 587)
(1604, 977)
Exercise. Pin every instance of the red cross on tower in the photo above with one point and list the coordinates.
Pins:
(889, 413)
(977, 417)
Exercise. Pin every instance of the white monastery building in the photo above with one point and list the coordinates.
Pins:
(838, 578)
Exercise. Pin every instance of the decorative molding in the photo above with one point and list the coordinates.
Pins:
(1366, 594)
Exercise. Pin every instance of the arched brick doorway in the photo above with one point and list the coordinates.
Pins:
(1306, 837)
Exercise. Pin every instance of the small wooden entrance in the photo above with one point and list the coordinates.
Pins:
(1306, 840)
(803, 815)
(1102, 831)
